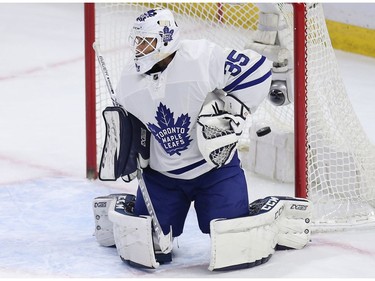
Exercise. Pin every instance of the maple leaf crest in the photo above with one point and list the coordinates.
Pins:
(172, 136)
(166, 34)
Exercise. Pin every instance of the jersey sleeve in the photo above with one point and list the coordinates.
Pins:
(245, 74)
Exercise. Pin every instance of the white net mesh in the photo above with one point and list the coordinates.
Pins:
(340, 159)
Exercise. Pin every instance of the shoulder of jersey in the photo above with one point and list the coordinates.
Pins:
(195, 48)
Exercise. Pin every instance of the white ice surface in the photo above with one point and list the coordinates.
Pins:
(46, 221)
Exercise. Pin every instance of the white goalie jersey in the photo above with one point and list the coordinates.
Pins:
(169, 102)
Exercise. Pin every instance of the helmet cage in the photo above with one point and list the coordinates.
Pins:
(143, 44)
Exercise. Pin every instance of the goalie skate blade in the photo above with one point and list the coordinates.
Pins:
(244, 265)
(263, 131)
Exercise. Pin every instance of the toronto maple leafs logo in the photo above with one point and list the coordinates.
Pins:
(172, 136)
(166, 34)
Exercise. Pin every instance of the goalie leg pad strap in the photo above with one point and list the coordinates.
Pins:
(133, 238)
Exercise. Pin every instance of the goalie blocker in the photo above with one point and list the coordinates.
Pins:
(127, 142)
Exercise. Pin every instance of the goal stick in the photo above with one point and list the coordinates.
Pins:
(106, 76)
(165, 241)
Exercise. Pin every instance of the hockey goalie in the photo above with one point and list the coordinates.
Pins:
(193, 97)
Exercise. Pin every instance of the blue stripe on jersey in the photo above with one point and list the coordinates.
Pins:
(187, 168)
(248, 72)
(254, 82)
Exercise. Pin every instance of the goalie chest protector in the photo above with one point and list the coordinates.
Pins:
(126, 137)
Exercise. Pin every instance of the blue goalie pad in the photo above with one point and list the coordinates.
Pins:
(127, 139)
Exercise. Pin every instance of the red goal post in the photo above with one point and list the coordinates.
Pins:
(332, 162)
(300, 100)
(90, 84)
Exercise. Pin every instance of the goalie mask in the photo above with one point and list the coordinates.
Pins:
(153, 37)
(218, 131)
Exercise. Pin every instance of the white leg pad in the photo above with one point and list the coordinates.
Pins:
(103, 226)
(250, 241)
(244, 242)
(133, 237)
(294, 224)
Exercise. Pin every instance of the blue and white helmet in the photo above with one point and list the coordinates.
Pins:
(154, 36)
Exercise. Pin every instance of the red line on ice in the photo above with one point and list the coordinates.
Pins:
(39, 68)
(344, 246)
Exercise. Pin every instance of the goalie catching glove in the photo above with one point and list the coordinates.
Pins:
(219, 127)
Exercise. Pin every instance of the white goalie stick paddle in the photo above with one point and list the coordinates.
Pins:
(165, 241)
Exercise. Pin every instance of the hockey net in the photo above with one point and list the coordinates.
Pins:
(335, 162)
